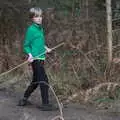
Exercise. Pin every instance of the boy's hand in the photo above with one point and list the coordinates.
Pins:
(30, 58)
(48, 50)
(116, 60)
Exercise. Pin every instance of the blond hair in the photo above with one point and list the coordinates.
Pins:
(35, 12)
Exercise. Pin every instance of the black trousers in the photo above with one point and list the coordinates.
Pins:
(39, 79)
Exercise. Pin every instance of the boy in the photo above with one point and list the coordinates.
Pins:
(34, 45)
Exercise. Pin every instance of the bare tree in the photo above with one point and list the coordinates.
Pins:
(109, 29)
(87, 9)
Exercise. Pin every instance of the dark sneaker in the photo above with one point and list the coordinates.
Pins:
(22, 102)
(48, 107)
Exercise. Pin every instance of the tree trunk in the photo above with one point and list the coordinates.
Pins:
(109, 29)
(87, 9)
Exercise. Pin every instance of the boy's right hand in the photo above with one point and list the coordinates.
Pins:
(116, 60)
(48, 50)
(30, 58)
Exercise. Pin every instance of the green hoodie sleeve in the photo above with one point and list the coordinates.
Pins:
(27, 41)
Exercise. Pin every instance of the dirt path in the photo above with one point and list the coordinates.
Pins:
(9, 111)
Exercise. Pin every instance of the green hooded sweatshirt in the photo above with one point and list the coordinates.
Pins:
(34, 41)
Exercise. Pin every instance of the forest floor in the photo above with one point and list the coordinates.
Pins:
(10, 111)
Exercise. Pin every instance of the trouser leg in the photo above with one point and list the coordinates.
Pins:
(33, 85)
(44, 89)
(43, 83)
(30, 89)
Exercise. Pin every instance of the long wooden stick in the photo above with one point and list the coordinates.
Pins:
(4, 73)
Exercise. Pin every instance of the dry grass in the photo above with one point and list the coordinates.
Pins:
(78, 69)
